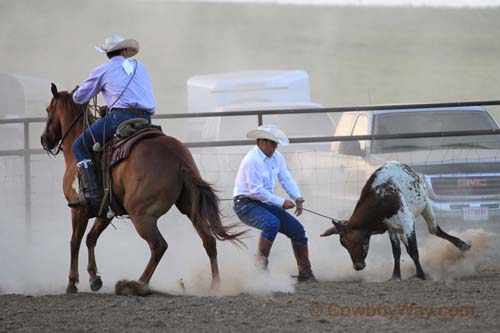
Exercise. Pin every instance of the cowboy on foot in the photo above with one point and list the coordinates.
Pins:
(256, 204)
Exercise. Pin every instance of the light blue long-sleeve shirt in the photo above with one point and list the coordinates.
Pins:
(111, 79)
(257, 175)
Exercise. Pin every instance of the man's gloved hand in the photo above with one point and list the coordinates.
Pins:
(103, 111)
(299, 203)
(288, 204)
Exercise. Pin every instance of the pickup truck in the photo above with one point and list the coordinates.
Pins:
(462, 174)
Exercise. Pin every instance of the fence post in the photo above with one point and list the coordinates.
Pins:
(27, 179)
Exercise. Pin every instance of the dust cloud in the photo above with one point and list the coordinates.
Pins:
(445, 262)
(35, 253)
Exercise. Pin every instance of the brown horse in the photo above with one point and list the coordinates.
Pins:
(159, 173)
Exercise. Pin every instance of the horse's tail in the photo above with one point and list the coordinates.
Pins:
(205, 213)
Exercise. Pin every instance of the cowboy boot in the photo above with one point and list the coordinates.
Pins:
(263, 253)
(301, 253)
(88, 187)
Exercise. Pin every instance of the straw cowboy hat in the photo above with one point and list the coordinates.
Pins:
(114, 43)
(270, 132)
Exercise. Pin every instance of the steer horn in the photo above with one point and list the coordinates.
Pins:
(337, 225)
(329, 232)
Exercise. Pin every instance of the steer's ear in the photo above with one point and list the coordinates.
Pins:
(338, 227)
(329, 232)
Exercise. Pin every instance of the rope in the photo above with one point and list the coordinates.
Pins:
(316, 213)
(307, 210)
(326, 217)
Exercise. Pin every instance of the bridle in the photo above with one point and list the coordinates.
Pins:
(56, 150)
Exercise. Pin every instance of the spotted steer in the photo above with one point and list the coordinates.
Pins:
(390, 201)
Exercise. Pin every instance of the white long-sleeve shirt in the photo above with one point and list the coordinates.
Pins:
(111, 79)
(257, 175)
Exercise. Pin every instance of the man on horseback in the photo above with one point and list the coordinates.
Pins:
(127, 90)
(256, 204)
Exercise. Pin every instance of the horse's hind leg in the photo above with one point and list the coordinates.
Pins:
(147, 228)
(99, 225)
(210, 245)
(79, 222)
(436, 230)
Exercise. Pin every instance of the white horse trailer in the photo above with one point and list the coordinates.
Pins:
(252, 91)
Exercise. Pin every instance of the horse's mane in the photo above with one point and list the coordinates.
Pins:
(66, 98)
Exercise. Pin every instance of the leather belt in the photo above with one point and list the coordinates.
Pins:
(132, 110)
(240, 198)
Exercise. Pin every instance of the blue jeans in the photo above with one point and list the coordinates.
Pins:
(271, 220)
(102, 130)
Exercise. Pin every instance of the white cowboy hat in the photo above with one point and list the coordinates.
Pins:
(114, 43)
(270, 132)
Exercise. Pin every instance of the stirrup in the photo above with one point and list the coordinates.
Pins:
(78, 202)
(82, 202)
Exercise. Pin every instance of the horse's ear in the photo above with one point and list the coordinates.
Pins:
(72, 91)
(53, 88)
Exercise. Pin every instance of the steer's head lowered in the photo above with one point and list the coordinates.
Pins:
(380, 199)
(355, 240)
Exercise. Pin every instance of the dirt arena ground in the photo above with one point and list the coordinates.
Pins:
(466, 304)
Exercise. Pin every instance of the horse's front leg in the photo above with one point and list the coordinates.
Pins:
(99, 225)
(79, 221)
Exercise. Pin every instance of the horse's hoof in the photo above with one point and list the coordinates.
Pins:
(71, 289)
(95, 283)
(132, 288)
(215, 284)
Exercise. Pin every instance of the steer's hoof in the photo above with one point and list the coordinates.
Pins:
(464, 246)
(394, 278)
(95, 283)
(421, 276)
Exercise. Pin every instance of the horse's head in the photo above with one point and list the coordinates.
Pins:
(59, 113)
